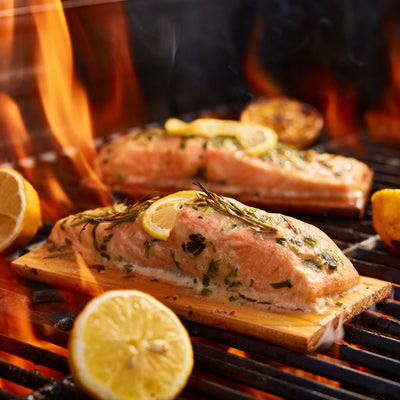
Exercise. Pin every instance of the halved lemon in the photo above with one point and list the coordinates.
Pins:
(254, 139)
(159, 218)
(125, 344)
(20, 215)
(297, 124)
(386, 216)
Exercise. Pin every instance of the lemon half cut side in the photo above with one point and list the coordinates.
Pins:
(20, 214)
(125, 344)
(386, 216)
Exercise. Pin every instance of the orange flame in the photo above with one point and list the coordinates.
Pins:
(74, 114)
(16, 297)
(16, 139)
(383, 122)
(259, 80)
(101, 36)
(64, 100)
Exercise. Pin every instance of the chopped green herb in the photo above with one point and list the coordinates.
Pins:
(310, 240)
(326, 258)
(128, 276)
(99, 267)
(174, 259)
(283, 284)
(213, 268)
(128, 267)
(310, 263)
(206, 292)
(296, 241)
(234, 285)
(201, 173)
(107, 238)
(196, 244)
(296, 249)
(147, 246)
(281, 241)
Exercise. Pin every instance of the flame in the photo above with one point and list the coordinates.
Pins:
(71, 117)
(383, 122)
(15, 296)
(85, 278)
(16, 139)
(259, 80)
(339, 109)
(7, 26)
(63, 97)
(101, 36)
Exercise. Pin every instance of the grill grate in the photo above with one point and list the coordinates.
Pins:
(365, 364)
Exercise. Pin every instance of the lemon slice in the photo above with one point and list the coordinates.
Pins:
(20, 215)
(159, 218)
(125, 344)
(254, 139)
(207, 127)
(386, 216)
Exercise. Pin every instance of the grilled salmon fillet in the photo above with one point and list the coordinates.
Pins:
(284, 179)
(218, 248)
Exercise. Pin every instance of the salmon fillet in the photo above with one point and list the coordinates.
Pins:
(282, 180)
(218, 248)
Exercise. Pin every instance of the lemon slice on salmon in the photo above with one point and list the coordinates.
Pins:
(255, 139)
(125, 344)
(159, 218)
(20, 214)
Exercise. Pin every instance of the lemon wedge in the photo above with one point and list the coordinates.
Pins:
(386, 216)
(254, 139)
(125, 344)
(159, 218)
(20, 214)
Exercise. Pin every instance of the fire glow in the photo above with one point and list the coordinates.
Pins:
(65, 119)
(18, 325)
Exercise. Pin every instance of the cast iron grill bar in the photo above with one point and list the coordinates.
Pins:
(35, 354)
(376, 271)
(264, 377)
(64, 389)
(4, 395)
(373, 320)
(389, 307)
(367, 359)
(213, 390)
(371, 339)
(22, 376)
(363, 381)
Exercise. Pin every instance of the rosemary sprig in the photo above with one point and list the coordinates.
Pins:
(227, 207)
(116, 214)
